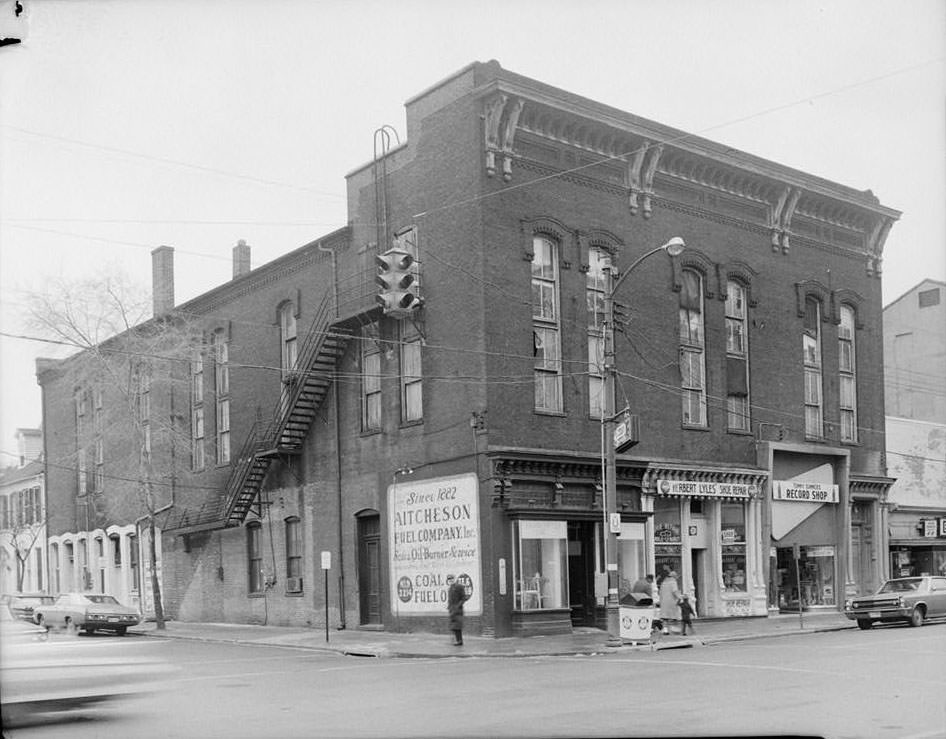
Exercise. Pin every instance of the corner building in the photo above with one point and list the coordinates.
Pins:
(465, 437)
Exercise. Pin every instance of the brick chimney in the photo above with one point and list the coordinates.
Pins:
(162, 279)
(241, 259)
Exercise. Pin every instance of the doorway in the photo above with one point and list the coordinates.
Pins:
(369, 568)
(697, 563)
(581, 572)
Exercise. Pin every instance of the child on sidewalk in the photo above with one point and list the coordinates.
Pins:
(686, 615)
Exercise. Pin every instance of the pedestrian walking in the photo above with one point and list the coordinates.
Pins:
(686, 615)
(669, 600)
(456, 596)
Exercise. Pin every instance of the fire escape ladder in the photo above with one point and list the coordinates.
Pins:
(303, 390)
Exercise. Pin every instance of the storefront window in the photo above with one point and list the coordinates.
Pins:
(815, 575)
(631, 563)
(542, 565)
(667, 537)
(732, 535)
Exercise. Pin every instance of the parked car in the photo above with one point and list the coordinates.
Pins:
(910, 599)
(23, 604)
(87, 611)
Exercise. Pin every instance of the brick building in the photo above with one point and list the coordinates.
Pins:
(22, 518)
(465, 436)
(915, 393)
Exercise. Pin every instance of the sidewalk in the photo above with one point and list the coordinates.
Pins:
(583, 641)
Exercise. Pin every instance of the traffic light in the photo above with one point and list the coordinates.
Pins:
(397, 280)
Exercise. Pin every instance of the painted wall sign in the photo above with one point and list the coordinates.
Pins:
(706, 489)
(804, 492)
(434, 532)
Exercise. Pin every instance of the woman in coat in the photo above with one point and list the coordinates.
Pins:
(669, 600)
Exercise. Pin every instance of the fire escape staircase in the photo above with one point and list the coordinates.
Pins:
(302, 395)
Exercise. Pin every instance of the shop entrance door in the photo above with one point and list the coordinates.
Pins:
(581, 573)
(369, 569)
(697, 562)
(860, 556)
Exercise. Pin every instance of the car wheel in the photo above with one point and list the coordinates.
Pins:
(90, 630)
(40, 621)
(864, 624)
(917, 617)
(121, 630)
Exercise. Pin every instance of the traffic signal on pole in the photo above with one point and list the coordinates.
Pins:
(397, 282)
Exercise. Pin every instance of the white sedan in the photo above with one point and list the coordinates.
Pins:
(87, 611)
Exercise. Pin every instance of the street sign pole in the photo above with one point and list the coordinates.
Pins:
(326, 566)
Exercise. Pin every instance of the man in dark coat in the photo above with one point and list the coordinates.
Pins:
(456, 596)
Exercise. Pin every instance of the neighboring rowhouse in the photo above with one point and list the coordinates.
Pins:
(915, 392)
(22, 518)
(458, 428)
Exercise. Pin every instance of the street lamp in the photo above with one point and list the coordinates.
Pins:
(612, 516)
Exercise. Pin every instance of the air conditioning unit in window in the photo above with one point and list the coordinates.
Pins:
(293, 584)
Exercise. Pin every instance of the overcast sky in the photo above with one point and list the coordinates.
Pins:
(129, 124)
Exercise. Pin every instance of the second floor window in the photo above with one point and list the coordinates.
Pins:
(692, 348)
(811, 346)
(847, 368)
(737, 359)
(197, 413)
(411, 374)
(370, 385)
(222, 392)
(597, 282)
(546, 345)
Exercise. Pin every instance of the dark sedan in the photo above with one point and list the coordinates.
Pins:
(909, 599)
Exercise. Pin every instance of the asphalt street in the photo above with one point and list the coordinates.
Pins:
(888, 682)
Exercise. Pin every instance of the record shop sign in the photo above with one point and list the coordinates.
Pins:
(706, 489)
(804, 492)
(434, 533)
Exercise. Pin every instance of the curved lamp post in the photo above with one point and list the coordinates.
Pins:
(612, 516)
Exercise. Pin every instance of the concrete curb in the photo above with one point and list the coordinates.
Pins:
(588, 651)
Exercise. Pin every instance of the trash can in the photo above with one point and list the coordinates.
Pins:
(637, 617)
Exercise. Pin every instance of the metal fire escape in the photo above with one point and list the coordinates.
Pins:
(286, 432)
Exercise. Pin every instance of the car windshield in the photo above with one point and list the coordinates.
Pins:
(102, 599)
(901, 586)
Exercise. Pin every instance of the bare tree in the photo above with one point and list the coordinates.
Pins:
(129, 374)
(22, 538)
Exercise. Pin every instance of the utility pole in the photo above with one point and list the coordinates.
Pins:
(613, 516)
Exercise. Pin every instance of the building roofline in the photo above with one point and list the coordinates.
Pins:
(914, 288)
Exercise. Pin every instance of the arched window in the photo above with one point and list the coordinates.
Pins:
(811, 345)
(596, 285)
(847, 370)
(737, 358)
(254, 557)
(547, 348)
(692, 349)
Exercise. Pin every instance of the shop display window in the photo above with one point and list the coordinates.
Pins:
(815, 574)
(732, 535)
(632, 564)
(542, 565)
(667, 555)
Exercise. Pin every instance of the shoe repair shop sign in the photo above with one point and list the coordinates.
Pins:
(434, 533)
